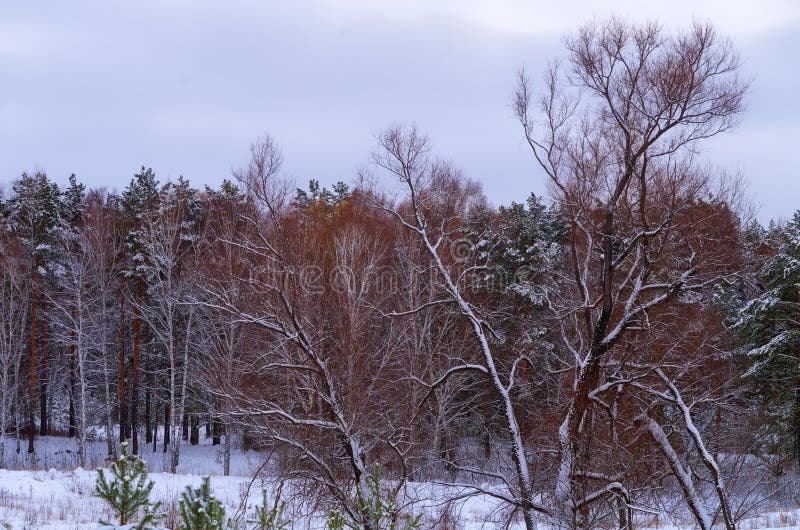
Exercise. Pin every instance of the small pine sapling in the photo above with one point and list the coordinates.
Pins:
(128, 490)
(336, 521)
(200, 510)
(377, 508)
(270, 517)
(381, 508)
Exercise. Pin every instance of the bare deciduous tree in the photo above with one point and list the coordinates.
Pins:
(438, 202)
(616, 136)
(314, 381)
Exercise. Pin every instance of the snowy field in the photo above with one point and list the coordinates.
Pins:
(47, 492)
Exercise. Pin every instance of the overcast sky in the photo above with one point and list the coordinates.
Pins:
(100, 88)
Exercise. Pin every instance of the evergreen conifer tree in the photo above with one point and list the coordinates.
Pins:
(377, 509)
(33, 214)
(770, 327)
(72, 198)
(200, 510)
(380, 508)
(270, 517)
(128, 491)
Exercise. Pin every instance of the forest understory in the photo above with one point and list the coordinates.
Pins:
(50, 492)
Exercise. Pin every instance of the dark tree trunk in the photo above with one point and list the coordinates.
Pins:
(31, 428)
(72, 430)
(217, 432)
(43, 406)
(148, 433)
(166, 426)
(185, 427)
(194, 435)
(623, 512)
(155, 426)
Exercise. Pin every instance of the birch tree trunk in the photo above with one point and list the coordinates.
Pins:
(5, 388)
(32, 364)
(226, 455)
(123, 424)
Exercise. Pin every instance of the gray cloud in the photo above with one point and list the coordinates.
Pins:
(99, 88)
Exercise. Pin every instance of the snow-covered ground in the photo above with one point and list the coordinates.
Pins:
(56, 452)
(46, 492)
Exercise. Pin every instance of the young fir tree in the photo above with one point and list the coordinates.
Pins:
(200, 510)
(270, 517)
(336, 521)
(381, 508)
(377, 510)
(128, 491)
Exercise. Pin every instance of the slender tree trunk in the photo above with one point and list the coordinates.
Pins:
(486, 439)
(18, 424)
(123, 424)
(518, 452)
(72, 386)
(32, 375)
(77, 352)
(148, 432)
(185, 428)
(705, 454)
(71, 411)
(43, 380)
(226, 455)
(110, 447)
(181, 400)
(81, 411)
(171, 435)
(217, 430)
(683, 476)
(155, 426)
(194, 428)
(51, 396)
(623, 514)
(167, 422)
(3, 418)
(137, 343)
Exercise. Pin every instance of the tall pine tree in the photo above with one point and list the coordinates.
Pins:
(33, 213)
(770, 327)
(139, 200)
